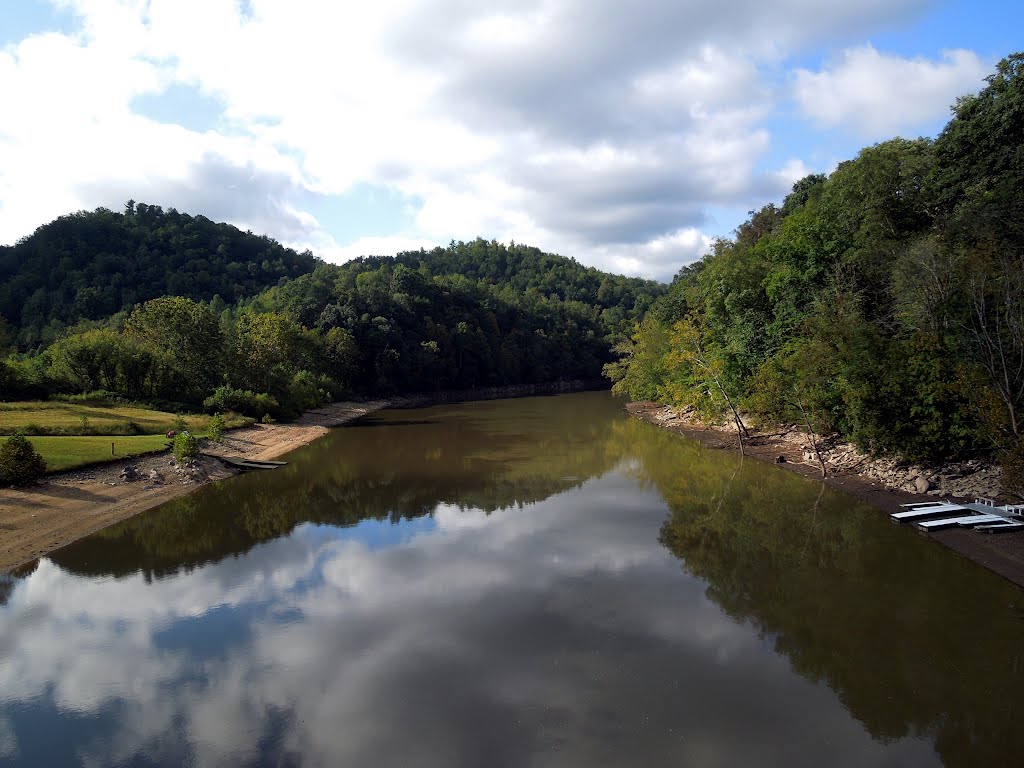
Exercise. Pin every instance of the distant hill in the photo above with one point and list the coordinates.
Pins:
(620, 301)
(93, 264)
(288, 327)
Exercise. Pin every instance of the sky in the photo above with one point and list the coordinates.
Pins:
(626, 135)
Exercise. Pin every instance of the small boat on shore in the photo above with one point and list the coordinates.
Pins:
(244, 464)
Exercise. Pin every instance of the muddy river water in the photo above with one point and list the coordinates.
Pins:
(534, 582)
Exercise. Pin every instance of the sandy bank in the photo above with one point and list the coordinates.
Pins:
(70, 505)
(1002, 553)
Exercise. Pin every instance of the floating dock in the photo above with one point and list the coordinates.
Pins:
(983, 515)
(923, 512)
(966, 521)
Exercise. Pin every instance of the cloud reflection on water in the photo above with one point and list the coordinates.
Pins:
(561, 633)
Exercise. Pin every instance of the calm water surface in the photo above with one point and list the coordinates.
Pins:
(537, 582)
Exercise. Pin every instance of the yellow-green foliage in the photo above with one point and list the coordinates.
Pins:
(185, 446)
(216, 427)
(66, 419)
(67, 452)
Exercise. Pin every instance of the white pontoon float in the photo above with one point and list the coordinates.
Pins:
(983, 515)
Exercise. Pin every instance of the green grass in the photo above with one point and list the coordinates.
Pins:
(57, 418)
(58, 432)
(68, 452)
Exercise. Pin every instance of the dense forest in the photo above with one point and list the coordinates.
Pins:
(884, 302)
(91, 265)
(470, 315)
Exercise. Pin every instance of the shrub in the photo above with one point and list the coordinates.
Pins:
(20, 463)
(216, 427)
(304, 392)
(186, 446)
(227, 398)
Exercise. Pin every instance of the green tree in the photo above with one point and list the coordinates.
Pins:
(267, 344)
(184, 339)
(706, 386)
(85, 362)
(978, 178)
(641, 372)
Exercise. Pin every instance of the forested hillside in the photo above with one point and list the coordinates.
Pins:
(515, 270)
(90, 265)
(885, 302)
(471, 315)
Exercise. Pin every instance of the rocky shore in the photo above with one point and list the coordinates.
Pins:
(882, 482)
(962, 479)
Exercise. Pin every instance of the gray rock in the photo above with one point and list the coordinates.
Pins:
(129, 473)
(921, 484)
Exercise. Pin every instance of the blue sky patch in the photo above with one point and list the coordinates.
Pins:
(180, 105)
(33, 17)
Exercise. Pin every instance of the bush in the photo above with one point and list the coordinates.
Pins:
(216, 427)
(227, 398)
(20, 463)
(186, 446)
(305, 391)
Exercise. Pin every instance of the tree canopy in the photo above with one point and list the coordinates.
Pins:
(92, 264)
(885, 301)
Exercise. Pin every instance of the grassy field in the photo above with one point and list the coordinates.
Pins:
(68, 452)
(72, 434)
(49, 418)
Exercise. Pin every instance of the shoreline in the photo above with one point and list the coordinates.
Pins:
(1002, 554)
(66, 506)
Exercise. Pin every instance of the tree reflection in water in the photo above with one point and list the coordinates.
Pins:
(916, 643)
(913, 639)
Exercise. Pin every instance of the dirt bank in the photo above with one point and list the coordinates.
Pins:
(70, 505)
(1002, 553)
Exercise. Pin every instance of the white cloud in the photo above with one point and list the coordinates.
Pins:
(877, 95)
(386, 245)
(599, 131)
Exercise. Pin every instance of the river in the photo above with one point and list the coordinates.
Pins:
(534, 582)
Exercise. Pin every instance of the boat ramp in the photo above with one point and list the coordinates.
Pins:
(983, 515)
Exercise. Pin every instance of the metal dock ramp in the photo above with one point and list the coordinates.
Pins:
(922, 511)
(1003, 527)
(966, 521)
